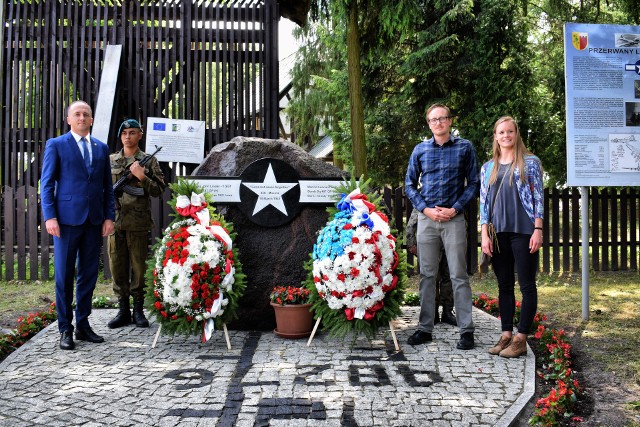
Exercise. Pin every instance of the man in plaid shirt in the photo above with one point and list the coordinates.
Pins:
(442, 178)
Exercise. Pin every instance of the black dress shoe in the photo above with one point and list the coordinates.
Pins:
(419, 337)
(86, 334)
(466, 341)
(66, 340)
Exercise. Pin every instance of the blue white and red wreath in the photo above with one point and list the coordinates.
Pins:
(355, 268)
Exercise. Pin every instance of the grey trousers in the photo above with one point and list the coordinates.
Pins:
(431, 237)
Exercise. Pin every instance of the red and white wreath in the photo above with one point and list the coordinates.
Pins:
(194, 270)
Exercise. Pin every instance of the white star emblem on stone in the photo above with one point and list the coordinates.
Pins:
(270, 192)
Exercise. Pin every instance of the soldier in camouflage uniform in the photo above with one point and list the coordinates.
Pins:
(444, 290)
(128, 245)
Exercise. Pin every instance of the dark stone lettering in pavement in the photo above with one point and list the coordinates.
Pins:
(409, 376)
(203, 375)
(348, 418)
(315, 370)
(377, 372)
(287, 409)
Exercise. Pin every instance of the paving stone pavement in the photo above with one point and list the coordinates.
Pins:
(264, 380)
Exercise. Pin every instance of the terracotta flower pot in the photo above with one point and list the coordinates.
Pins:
(293, 321)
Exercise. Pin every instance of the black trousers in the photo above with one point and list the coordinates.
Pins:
(514, 255)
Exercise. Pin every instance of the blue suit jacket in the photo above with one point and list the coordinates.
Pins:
(71, 193)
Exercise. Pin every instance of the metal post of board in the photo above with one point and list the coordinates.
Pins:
(585, 252)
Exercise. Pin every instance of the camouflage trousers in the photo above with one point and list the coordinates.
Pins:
(444, 291)
(128, 252)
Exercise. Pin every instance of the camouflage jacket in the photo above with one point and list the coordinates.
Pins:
(410, 231)
(133, 213)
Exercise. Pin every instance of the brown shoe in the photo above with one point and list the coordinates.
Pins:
(517, 348)
(501, 345)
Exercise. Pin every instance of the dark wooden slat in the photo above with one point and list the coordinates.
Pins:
(32, 220)
(397, 208)
(218, 69)
(233, 102)
(271, 67)
(254, 41)
(575, 230)
(624, 230)
(566, 230)
(633, 224)
(21, 224)
(185, 61)
(555, 227)
(605, 229)
(595, 229)
(614, 244)
(546, 244)
(10, 226)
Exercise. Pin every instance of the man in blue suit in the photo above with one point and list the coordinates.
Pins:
(78, 209)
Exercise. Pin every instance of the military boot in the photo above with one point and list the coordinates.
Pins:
(448, 316)
(138, 313)
(123, 318)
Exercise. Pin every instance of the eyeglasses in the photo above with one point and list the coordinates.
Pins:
(438, 120)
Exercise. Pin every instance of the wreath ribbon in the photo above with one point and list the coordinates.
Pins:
(193, 207)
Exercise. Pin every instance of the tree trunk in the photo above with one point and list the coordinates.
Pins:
(355, 93)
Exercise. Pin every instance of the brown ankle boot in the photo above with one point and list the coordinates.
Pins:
(501, 345)
(517, 348)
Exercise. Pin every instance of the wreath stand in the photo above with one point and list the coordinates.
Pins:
(393, 334)
(224, 328)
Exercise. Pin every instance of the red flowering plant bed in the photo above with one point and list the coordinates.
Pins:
(554, 359)
(28, 327)
(289, 295)
(197, 278)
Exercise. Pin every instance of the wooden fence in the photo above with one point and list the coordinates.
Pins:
(214, 61)
(613, 227)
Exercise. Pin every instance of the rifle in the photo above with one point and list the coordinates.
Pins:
(122, 185)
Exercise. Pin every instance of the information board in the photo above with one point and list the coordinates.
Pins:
(602, 76)
(181, 140)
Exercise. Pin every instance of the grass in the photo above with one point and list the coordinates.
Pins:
(20, 297)
(612, 330)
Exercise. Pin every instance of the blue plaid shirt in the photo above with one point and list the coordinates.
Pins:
(443, 170)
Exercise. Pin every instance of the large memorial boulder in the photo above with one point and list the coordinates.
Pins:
(270, 255)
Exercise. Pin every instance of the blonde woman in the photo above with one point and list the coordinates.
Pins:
(511, 202)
